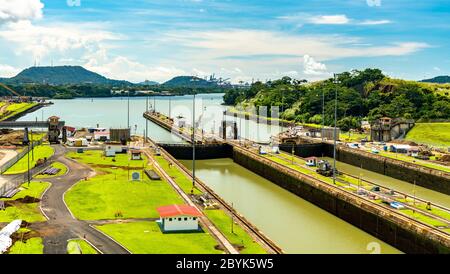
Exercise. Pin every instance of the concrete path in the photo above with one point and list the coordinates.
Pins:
(206, 222)
(61, 225)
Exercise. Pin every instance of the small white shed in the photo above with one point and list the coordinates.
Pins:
(179, 218)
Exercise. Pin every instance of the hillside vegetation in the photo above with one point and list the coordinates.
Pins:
(361, 95)
(437, 134)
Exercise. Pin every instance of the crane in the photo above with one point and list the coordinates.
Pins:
(10, 90)
(21, 98)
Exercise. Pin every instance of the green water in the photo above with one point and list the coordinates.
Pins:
(296, 225)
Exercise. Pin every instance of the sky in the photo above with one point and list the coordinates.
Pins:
(241, 40)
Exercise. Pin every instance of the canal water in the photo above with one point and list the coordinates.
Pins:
(294, 224)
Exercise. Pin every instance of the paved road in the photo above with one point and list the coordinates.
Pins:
(61, 226)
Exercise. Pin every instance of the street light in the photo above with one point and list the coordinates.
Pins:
(193, 144)
(323, 114)
(335, 81)
(26, 142)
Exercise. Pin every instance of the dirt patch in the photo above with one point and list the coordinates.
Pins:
(238, 247)
(24, 236)
(28, 200)
(219, 247)
(445, 158)
(24, 200)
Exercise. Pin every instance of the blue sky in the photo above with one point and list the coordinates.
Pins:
(241, 40)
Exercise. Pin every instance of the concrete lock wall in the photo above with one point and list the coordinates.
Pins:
(362, 214)
(202, 152)
(422, 176)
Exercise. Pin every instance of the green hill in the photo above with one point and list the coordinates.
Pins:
(189, 82)
(61, 75)
(439, 80)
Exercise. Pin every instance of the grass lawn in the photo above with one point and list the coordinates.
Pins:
(14, 109)
(413, 160)
(62, 171)
(110, 192)
(22, 165)
(436, 134)
(239, 237)
(28, 212)
(147, 238)
(72, 247)
(180, 178)
(354, 137)
(30, 246)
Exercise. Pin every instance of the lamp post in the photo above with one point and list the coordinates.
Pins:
(193, 144)
(146, 120)
(128, 109)
(335, 81)
(26, 141)
(323, 115)
(170, 107)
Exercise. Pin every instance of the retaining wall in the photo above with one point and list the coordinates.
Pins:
(393, 228)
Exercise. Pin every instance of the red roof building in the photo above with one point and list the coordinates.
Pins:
(177, 210)
(179, 218)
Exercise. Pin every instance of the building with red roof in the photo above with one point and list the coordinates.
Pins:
(179, 218)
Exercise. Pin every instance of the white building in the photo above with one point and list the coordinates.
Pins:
(111, 150)
(179, 217)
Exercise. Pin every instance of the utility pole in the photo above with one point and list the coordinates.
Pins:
(323, 115)
(32, 145)
(146, 120)
(128, 109)
(193, 144)
(335, 81)
(170, 107)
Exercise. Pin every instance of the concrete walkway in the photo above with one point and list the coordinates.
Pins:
(206, 222)
(61, 225)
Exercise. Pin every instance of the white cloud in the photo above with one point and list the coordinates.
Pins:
(311, 67)
(8, 71)
(124, 69)
(374, 22)
(17, 10)
(41, 40)
(236, 43)
(436, 68)
(339, 19)
(335, 19)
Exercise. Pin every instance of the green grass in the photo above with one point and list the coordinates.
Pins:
(110, 192)
(184, 182)
(147, 238)
(14, 109)
(62, 171)
(30, 246)
(86, 248)
(238, 237)
(354, 137)
(28, 212)
(436, 134)
(22, 165)
(413, 160)
(96, 157)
